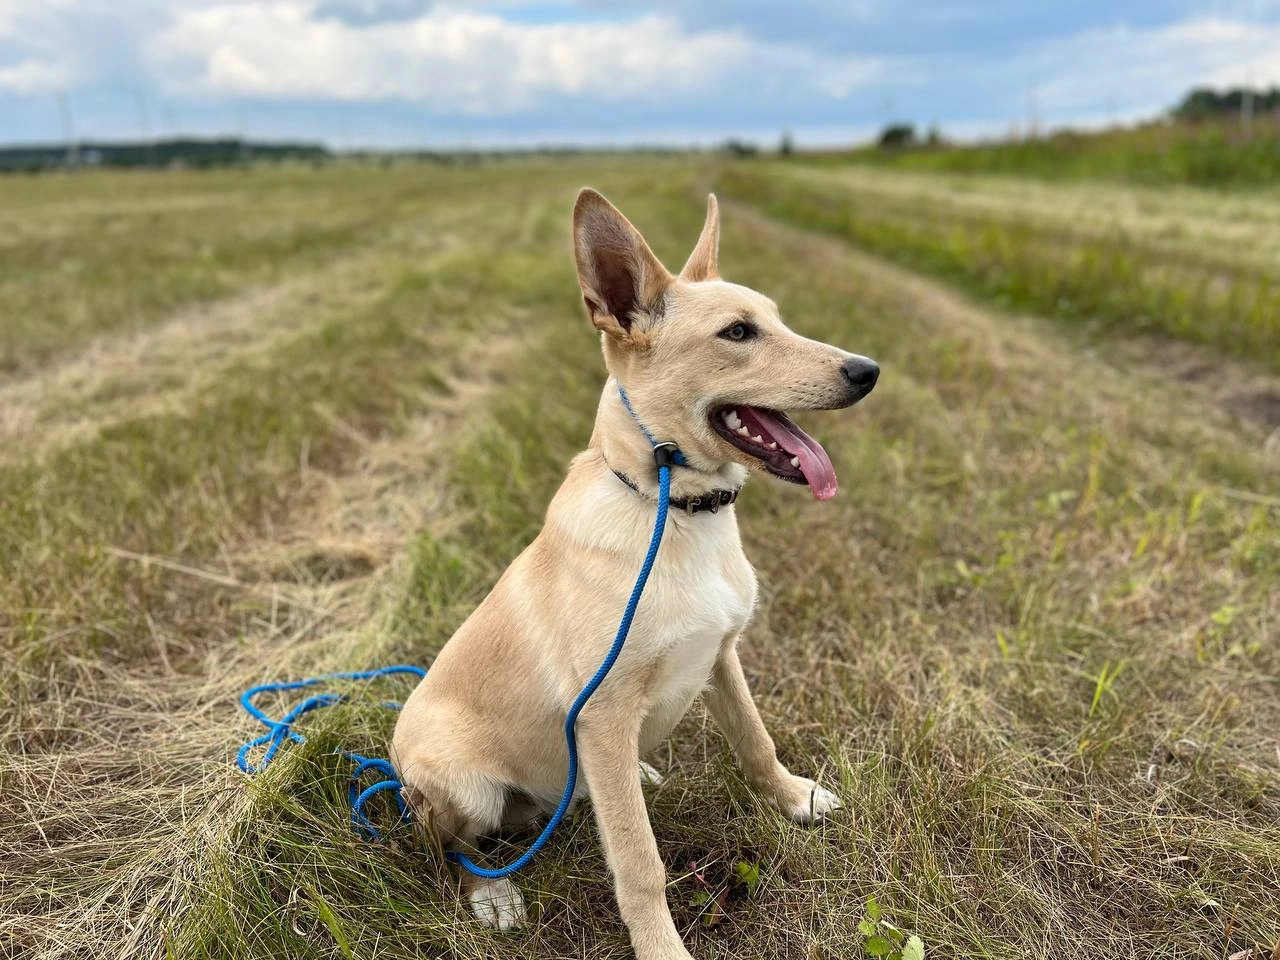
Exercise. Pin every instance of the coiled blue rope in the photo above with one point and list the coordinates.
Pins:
(280, 730)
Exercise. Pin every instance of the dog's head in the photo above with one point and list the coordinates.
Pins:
(709, 364)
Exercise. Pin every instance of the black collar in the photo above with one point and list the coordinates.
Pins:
(709, 502)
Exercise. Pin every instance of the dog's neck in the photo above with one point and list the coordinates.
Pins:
(626, 450)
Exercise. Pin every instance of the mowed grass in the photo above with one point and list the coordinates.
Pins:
(1209, 154)
(1032, 642)
(1123, 262)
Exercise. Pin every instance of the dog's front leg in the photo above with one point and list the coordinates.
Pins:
(729, 699)
(610, 750)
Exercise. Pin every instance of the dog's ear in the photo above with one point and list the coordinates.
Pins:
(702, 262)
(619, 275)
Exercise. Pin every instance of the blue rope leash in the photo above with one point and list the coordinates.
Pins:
(278, 731)
(677, 457)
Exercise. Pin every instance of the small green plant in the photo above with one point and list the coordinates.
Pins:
(882, 939)
(1102, 686)
(713, 899)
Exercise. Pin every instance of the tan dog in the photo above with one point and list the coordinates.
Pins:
(480, 744)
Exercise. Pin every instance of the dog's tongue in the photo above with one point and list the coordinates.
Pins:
(814, 462)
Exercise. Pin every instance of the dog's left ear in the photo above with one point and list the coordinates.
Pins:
(621, 279)
(702, 262)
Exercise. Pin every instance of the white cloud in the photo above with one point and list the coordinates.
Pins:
(38, 66)
(1140, 72)
(32, 75)
(457, 60)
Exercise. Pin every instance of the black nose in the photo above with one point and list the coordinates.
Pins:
(861, 373)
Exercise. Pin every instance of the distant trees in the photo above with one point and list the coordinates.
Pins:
(1204, 103)
(740, 148)
(179, 152)
(898, 135)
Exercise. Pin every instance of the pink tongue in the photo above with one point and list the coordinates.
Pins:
(814, 462)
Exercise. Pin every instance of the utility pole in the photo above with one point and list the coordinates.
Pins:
(243, 146)
(1246, 108)
(144, 127)
(68, 131)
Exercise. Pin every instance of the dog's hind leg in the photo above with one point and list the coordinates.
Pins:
(496, 903)
(454, 817)
(729, 699)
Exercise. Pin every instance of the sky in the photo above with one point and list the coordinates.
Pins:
(416, 73)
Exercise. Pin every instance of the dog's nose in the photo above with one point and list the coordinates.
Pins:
(861, 373)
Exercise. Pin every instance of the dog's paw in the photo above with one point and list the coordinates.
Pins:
(649, 775)
(807, 803)
(498, 904)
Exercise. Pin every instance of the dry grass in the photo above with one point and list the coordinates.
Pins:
(1033, 640)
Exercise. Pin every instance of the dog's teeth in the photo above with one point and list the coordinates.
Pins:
(757, 440)
(772, 446)
(795, 461)
(731, 418)
(743, 432)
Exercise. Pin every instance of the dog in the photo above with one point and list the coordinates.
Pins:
(479, 745)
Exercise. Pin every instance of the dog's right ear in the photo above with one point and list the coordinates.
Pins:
(619, 275)
(701, 264)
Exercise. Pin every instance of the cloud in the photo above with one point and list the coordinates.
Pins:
(1143, 71)
(453, 59)
(30, 59)
(450, 70)
(33, 75)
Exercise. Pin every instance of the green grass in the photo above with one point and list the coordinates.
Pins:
(1031, 642)
(1103, 276)
(1209, 154)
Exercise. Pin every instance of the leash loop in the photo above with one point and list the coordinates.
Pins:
(280, 731)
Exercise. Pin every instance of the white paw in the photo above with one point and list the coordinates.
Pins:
(649, 775)
(498, 904)
(814, 802)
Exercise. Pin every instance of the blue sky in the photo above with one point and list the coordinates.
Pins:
(393, 73)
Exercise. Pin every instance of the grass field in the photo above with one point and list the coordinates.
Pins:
(1211, 153)
(264, 424)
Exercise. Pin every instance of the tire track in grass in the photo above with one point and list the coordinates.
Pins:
(166, 367)
(1107, 283)
(1212, 394)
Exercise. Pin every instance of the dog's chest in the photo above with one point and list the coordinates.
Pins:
(703, 595)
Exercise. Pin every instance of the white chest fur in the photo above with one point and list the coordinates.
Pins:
(700, 593)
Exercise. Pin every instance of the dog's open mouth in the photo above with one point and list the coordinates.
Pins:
(783, 448)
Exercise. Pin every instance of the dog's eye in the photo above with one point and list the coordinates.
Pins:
(738, 332)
